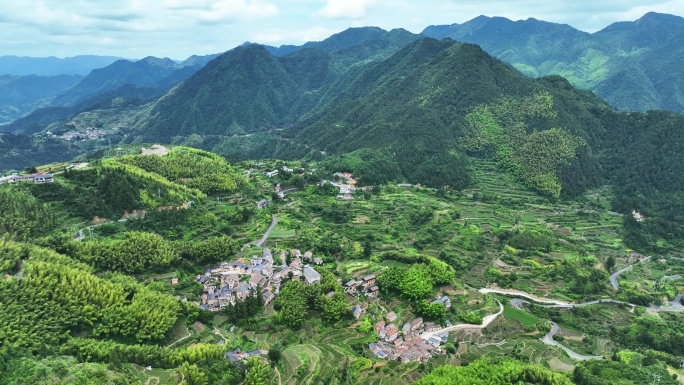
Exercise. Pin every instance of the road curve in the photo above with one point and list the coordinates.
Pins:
(614, 277)
(676, 305)
(548, 340)
(548, 301)
(485, 322)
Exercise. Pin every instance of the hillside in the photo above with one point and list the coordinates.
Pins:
(20, 151)
(20, 95)
(148, 72)
(115, 251)
(622, 63)
(244, 90)
(418, 116)
(413, 107)
(119, 85)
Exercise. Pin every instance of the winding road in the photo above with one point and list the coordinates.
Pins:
(485, 322)
(676, 305)
(517, 303)
(548, 339)
(614, 277)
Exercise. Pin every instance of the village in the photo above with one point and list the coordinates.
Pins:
(407, 344)
(415, 341)
(229, 282)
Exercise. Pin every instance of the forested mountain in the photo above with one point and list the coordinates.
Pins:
(19, 95)
(148, 72)
(635, 66)
(124, 97)
(416, 113)
(248, 90)
(412, 107)
(244, 90)
(420, 111)
(52, 66)
(122, 84)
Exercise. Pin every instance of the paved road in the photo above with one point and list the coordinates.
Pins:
(485, 322)
(548, 339)
(534, 298)
(676, 305)
(274, 222)
(517, 303)
(614, 277)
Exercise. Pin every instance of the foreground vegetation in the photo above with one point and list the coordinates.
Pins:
(87, 264)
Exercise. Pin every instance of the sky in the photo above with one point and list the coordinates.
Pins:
(181, 28)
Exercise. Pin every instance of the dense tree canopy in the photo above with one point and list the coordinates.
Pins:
(493, 371)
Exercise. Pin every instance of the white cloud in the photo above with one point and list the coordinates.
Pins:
(344, 9)
(180, 28)
(214, 11)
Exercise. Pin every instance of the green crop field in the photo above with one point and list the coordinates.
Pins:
(520, 316)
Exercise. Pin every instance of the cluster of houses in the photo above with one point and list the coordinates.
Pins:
(345, 188)
(239, 355)
(234, 281)
(406, 344)
(365, 285)
(37, 178)
(271, 174)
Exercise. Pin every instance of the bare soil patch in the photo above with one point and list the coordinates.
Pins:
(155, 150)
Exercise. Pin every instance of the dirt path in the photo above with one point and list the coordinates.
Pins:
(280, 379)
(181, 339)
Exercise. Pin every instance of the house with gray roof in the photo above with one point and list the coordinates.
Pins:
(311, 276)
(443, 300)
(356, 311)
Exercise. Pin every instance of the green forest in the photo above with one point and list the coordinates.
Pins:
(99, 307)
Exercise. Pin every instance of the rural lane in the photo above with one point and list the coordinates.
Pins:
(274, 222)
(548, 339)
(485, 322)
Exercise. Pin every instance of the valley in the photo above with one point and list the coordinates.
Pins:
(503, 251)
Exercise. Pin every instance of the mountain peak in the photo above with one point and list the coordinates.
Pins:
(660, 17)
(650, 21)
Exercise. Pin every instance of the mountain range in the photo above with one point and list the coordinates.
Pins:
(391, 105)
(635, 66)
(52, 66)
(21, 95)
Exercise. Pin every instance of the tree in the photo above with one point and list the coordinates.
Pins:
(192, 375)
(365, 326)
(258, 373)
(335, 308)
(431, 312)
(610, 263)
(367, 249)
(391, 279)
(417, 282)
(292, 302)
(275, 353)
